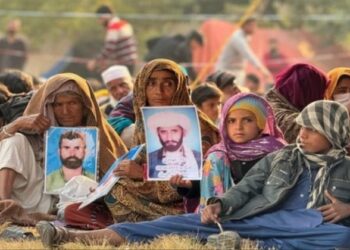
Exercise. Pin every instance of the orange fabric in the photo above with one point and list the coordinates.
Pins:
(333, 77)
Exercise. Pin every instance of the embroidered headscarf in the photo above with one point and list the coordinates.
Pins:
(301, 84)
(111, 146)
(334, 76)
(180, 97)
(270, 140)
(330, 119)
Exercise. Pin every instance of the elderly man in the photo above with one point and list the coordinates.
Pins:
(174, 157)
(119, 83)
(72, 151)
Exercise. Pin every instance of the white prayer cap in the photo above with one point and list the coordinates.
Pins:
(115, 72)
(168, 119)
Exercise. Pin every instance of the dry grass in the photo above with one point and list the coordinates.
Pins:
(166, 242)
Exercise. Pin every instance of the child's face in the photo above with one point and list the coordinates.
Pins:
(212, 108)
(313, 142)
(242, 126)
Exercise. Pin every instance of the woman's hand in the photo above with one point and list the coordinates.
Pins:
(335, 211)
(210, 214)
(130, 169)
(178, 181)
(36, 122)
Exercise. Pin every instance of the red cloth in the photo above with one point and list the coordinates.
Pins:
(94, 216)
(301, 84)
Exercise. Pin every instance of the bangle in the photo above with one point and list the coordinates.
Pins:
(6, 132)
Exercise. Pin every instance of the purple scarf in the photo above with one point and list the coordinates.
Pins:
(271, 140)
(124, 108)
(301, 84)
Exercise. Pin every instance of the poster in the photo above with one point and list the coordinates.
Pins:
(69, 152)
(173, 142)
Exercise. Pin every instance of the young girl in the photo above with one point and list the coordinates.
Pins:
(248, 133)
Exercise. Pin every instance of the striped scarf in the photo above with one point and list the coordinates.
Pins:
(331, 119)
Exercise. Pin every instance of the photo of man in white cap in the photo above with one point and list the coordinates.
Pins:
(174, 157)
(119, 83)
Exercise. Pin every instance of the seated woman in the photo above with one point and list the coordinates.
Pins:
(160, 82)
(295, 198)
(208, 98)
(295, 88)
(248, 133)
(65, 100)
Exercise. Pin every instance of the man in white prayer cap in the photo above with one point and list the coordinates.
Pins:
(174, 157)
(119, 83)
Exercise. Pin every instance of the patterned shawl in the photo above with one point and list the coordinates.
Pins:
(301, 84)
(124, 108)
(271, 139)
(144, 200)
(111, 146)
(285, 114)
(331, 119)
(334, 76)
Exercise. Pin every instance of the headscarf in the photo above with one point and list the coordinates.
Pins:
(180, 97)
(254, 106)
(301, 84)
(330, 119)
(111, 146)
(271, 139)
(334, 76)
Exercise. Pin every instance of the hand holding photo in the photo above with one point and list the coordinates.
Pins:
(173, 142)
(69, 152)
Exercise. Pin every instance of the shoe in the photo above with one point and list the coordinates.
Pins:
(50, 235)
(223, 241)
(16, 233)
(229, 240)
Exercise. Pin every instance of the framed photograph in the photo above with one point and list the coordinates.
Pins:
(69, 152)
(173, 142)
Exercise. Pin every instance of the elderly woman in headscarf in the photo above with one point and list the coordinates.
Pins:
(65, 100)
(295, 88)
(161, 82)
(295, 198)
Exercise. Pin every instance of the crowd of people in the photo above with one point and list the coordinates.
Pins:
(275, 166)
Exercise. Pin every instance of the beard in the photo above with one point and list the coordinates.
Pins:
(72, 162)
(172, 146)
